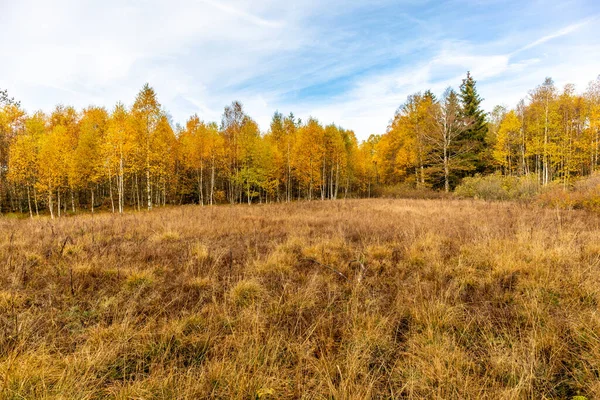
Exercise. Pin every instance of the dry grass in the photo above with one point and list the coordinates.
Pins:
(348, 300)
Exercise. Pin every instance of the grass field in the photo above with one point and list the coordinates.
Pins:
(327, 300)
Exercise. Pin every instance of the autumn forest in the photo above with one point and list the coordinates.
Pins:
(135, 157)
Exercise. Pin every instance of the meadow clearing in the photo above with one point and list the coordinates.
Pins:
(354, 299)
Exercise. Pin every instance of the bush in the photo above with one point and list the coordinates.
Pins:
(408, 191)
(498, 187)
(583, 194)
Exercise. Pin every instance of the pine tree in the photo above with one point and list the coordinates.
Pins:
(475, 134)
(444, 155)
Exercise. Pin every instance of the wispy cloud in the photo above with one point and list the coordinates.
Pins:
(561, 32)
(239, 12)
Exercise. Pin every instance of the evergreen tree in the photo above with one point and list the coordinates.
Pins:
(475, 134)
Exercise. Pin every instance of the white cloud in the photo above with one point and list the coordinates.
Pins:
(369, 107)
(202, 54)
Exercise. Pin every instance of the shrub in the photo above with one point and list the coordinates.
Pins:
(498, 187)
(407, 191)
(583, 194)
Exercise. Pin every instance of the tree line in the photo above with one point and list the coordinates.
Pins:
(134, 157)
(553, 135)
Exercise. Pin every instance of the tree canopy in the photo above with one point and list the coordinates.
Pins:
(134, 157)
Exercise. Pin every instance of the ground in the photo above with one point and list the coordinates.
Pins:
(348, 299)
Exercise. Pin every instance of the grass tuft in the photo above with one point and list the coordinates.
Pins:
(246, 292)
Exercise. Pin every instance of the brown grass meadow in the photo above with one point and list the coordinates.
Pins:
(357, 299)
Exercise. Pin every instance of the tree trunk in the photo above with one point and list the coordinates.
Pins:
(121, 186)
(201, 183)
(138, 195)
(545, 156)
(347, 188)
(311, 180)
(331, 182)
(110, 191)
(523, 163)
(58, 201)
(50, 205)
(446, 169)
(72, 201)
(289, 173)
(149, 189)
(324, 181)
(37, 211)
(29, 203)
(248, 186)
(199, 180)
(337, 180)
(212, 181)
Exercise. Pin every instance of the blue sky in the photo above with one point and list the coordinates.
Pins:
(348, 62)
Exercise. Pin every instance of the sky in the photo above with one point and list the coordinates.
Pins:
(352, 63)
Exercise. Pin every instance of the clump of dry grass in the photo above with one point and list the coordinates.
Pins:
(139, 279)
(246, 292)
(348, 299)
